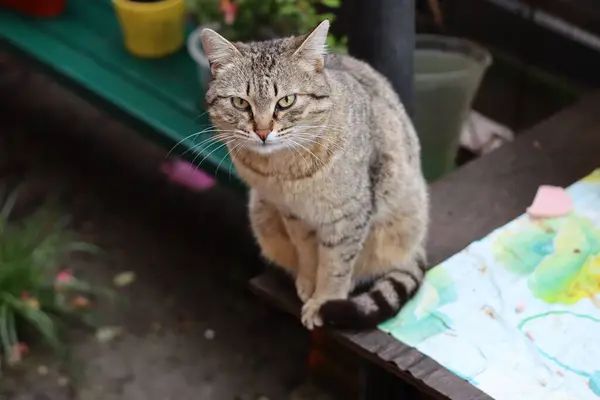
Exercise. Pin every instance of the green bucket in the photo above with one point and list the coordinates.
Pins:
(448, 72)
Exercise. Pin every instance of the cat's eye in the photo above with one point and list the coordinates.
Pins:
(240, 103)
(286, 102)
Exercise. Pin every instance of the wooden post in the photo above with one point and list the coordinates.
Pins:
(382, 32)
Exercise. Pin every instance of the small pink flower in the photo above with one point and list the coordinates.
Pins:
(229, 10)
(17, 352)
(186, 174)
(25, 295)
(64, 276)
(22, 348)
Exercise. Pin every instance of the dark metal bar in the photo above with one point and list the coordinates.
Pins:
(382, 32)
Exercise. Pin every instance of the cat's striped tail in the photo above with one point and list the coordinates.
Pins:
(383, 301)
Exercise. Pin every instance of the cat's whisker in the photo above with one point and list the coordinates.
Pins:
(208, 155)
(309, 152)
(211, 138)
(208, 130)
(315, 140)
(218, 136)
(218, 133)
(205, 143)
(319, 135)
(339, 138)
(320, 126)
(311, 141)
(184, 139)
(307, 140)
(334, 141)
(323, 127)
(201, 115)
(240, 148)
(198, 154)
(226, 154)
(205, 146)
(294, 147)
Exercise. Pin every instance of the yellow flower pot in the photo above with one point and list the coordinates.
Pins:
(152, 29)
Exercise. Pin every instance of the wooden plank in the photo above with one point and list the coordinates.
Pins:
(377, 346)
(467, 205)
(491, 191)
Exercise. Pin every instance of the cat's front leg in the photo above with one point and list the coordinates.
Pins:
(339, 245)
(304, 239)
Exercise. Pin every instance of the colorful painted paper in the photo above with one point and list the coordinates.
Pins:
(517, 313)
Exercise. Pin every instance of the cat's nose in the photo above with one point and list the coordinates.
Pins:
(262, 133)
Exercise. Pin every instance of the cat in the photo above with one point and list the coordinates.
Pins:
(337, 196)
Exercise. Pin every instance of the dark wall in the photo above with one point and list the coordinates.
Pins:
(484, 21)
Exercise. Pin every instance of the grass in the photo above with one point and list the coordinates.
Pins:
(37, 292)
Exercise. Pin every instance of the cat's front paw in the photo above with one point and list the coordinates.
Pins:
(305, 288)
(310, 313)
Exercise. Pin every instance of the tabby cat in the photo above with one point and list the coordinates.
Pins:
(337, 195)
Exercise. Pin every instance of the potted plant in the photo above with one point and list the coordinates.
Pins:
(253, 20)
(151, 28)
(37, 289)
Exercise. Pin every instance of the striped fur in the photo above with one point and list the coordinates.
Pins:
(337, 195)
(383, 301)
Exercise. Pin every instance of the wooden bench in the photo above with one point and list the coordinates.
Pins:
(467, 205)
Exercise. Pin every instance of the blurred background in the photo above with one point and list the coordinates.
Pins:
(99, 103)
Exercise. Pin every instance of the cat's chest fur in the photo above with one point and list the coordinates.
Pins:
(314, 199)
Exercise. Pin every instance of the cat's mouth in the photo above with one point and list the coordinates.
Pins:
(269, 143)
(268, 146)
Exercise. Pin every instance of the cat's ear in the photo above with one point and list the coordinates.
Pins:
(314, 45)
(219, 50)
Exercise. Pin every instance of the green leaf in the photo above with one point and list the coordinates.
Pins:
(76, 285)
(289, 9)
(8, 205)
(32, 250)
(12, 327)
(5, 337)
(37, 319)
(331, 3)
(321, 17)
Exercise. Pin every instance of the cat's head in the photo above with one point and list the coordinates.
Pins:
(268, 96)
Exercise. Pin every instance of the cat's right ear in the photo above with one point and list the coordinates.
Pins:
(219, 50)
(314, 45)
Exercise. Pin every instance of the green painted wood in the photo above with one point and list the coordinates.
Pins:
(162, 98)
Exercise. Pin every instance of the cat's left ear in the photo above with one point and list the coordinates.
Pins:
(219, 50)
(314, 45)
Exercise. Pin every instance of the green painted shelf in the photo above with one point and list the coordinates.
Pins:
(160, 98)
